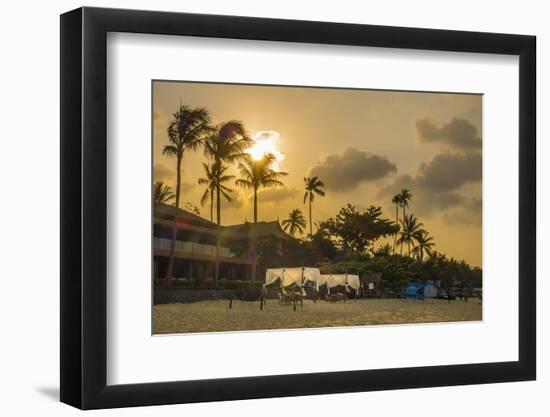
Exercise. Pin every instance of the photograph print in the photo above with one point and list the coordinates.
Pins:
(287, 207)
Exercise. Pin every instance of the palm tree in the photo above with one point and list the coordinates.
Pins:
(295, 222)
(384, 250)
(162, 193)
(186, 132)
(411, 227)
(213, 174)
(313, 186)
(405, 196)
(256, 174)
(397, 201)
(209, 180)
(226, 143)
(424, 244)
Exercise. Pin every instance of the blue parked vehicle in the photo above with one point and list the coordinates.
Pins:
(420, 290)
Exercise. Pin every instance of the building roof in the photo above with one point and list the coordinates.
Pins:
(166, 212)
(272, 228)
(243, 230)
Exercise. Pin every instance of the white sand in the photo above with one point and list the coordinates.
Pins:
(207, 316)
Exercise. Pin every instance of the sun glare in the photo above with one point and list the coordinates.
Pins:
(265, 142)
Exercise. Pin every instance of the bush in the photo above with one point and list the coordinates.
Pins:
(208, 284)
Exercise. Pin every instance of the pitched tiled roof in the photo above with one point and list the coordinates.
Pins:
(262, 229)
(243, 230)
(167, 212)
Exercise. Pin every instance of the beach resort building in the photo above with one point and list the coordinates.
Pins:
(196, 245)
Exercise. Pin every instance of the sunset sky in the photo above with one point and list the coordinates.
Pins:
(365, 145)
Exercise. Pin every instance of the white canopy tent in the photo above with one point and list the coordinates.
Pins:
(354, 282)
(321, 280)
(290, 276)
(301, 276)
(272, 275)
(349, 281)
(335, 280)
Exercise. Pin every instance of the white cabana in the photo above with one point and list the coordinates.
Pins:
(290, 276)
(272, 275)
(349, 281)
(354, 282)
(311, 275)
(335, 280)
(321, 280)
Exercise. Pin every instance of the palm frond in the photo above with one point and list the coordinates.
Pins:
(243, 183)
(205, 197)
(271, 183)
(170, 150)
(225, 195)
(162, 193)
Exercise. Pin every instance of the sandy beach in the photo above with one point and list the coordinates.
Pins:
(212, 316)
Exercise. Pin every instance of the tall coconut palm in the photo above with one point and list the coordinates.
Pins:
(215, 173)
(186, 132)
(424, 244)
(405, 196)
(162, 193)
(397, 201)
(256, 174)
(226, 143)
(313, 187)
(295, 222)
(411, 226)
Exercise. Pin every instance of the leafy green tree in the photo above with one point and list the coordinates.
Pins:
(191, 208)
(162, 193)
(397, 270)
(186, 132)
(295, 223)
(384, 250)
(269, 252)
(321, 247)
(355, 231)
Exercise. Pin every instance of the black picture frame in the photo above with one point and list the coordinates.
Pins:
(84, 207)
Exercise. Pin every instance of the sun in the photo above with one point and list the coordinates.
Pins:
(259, 149)
(265, 142)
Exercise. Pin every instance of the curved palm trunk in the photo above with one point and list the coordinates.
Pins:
(218, 236)
(254, 237)
(396, 222)
(401, 246)
(212, 205)
(255, 206)
(310, 223)
(170, 268)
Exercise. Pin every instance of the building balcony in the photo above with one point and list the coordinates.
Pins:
(162, 244)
